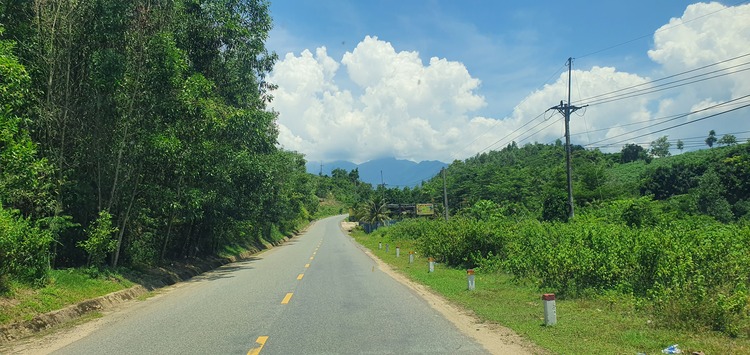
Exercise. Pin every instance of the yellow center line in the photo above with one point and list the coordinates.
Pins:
(312, 257)
(287, 298)
(261, 341)
(300, 276)
(307, 265)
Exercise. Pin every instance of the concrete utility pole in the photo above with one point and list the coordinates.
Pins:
(382, 183)
(445, 194)
(566, 110)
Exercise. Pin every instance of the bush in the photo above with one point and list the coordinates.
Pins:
(24, 250)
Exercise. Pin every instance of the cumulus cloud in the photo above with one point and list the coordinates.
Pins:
(379, 102)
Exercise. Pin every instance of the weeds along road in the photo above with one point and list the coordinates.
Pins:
(318, 293)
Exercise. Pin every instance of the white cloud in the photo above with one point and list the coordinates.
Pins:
(399, 106)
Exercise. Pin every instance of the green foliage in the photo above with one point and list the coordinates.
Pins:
(660, 147)
(99, 241)
(711, 139)
(155, 113)
(640, 213)
(689, 271)
(710, 197)
(728, 139)
(632, 152)
(24, 250)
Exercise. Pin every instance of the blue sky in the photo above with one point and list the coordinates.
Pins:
(508, 52)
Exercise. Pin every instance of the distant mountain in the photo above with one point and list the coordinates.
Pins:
(396, 173)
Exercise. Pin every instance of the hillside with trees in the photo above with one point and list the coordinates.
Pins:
(672, 233)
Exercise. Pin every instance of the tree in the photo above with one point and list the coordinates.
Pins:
(680, 145)
(373, 212)
(660, 147)
(728, 139)
(711, 138)
(632, 152)
(710, 198)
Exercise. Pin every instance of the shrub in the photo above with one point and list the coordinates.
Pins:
(24, 249)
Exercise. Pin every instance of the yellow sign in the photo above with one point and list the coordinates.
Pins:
(425, 209)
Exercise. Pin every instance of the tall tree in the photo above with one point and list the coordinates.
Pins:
(660, 147)
(711, 138)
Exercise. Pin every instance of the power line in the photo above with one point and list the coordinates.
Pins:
(658, 31)
(666, 86)
(455, 155)
(670, 119)
(679, 125)
(666, 77)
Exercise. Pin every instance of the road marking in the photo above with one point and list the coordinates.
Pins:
(261, 341)
(307, 265)
(312, 257)
(287, 298)
(300, 276)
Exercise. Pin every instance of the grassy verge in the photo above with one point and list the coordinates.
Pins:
(67, 287)
(600, 325)
(330, 207)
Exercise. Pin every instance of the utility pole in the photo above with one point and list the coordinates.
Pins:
(445, 195)
(566, 110)
(382, 183)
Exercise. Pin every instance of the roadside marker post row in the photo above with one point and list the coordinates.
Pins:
(470, 279)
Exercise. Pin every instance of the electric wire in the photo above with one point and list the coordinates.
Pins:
(671, 119)
(679, 125)
(662, 29)
(665, 78)
(666, 86)
(497, 122)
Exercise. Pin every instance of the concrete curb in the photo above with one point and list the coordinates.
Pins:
(41, 322)
(45, 321)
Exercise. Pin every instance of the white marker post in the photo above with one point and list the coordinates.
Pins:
(550, 310)
(470, 279)
(432, 264)
(380, 245)
(387, 248)
(411, 257)
(398, 251)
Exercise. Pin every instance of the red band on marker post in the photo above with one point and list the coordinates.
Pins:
(470, 272)
(548, 297)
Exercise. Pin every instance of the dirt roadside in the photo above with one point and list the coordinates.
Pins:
(494, 337)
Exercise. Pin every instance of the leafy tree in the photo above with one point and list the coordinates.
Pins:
(632, 152)
(711, 138)
(680, 145)
(26, 203)
(660, 147)
(710, 198)
(728, 139)
(100, 241)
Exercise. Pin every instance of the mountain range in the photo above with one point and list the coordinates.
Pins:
(395, 172)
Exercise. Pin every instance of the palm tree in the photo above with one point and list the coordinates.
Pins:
(374, 212)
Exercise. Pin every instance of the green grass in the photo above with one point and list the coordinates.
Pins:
(67, 286)
(597, 325)
(329, 208)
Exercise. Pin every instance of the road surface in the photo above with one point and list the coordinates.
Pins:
(317, 294)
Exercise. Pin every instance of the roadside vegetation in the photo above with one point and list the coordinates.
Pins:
(135, 135)
(608, 323)
(663, 238)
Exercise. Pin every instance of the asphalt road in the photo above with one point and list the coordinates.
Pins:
(317, 294)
